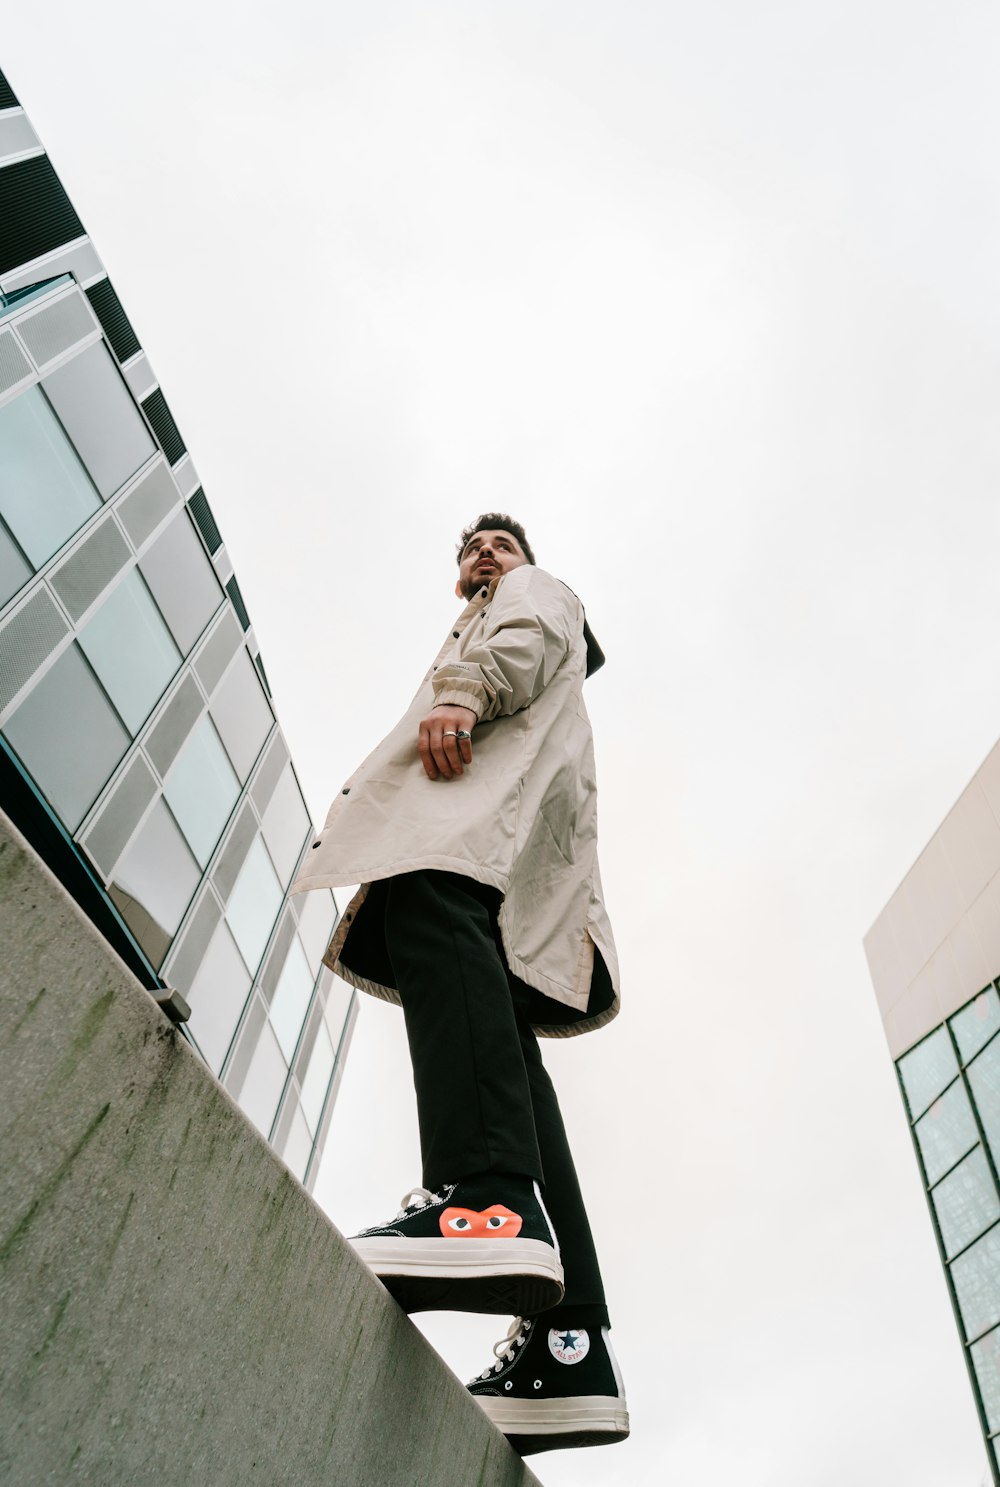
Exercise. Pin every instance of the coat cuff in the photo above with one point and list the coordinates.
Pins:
(460, 697)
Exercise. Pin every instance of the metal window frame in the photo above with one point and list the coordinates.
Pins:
(989, 1439)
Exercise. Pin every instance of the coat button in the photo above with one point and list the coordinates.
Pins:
(346, 791)
(454, 634)
(315, 845)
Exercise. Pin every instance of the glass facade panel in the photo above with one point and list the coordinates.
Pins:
(946, 1132)
(254, 904)
(317, 916)
(966, 1202)
(291, 998)
(14, 302)
(68, 736)
(100, 416)
(45, 492)
(927, 1069)
(984, 1077)
(201, 789)
(298, 1145)
(182, 580)
(265, 1079)
(241, 713)
(976, 1276)
(317, 1080)
(285, 824)
(154, 882)
(976, 1023)
(986, 1361)
(14, 571)
(130, 648)
(338, 1004)
(217, 996)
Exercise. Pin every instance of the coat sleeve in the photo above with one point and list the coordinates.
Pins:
(532, 622)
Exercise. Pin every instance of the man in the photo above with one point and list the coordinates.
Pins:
(472, 829)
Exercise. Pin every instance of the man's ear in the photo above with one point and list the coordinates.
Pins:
(458, 589)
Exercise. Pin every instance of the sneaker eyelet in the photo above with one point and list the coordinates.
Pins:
(538, 1383)
(508, 1385)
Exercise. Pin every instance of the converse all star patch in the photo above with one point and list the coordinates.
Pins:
(569, 1346)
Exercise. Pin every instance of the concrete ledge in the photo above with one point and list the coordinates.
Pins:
(175, 1308)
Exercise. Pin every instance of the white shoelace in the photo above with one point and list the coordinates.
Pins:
(503, 1351)
(423, 1196)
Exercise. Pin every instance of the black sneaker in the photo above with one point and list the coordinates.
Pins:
(483, 1245)
(554, 1387)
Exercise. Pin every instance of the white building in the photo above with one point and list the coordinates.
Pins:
(934, 956)
(139, 748)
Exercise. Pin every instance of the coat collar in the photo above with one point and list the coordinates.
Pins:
(595, 655)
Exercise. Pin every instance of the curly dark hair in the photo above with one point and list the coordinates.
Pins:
(495, 521)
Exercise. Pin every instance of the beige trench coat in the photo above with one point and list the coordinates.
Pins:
(521, 818)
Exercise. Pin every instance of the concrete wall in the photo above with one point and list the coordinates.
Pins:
(174, 1309)
(937, 941)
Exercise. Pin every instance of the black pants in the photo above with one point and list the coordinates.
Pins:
(485, 1102)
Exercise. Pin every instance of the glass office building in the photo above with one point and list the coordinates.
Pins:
(934, 956)
(139, 749)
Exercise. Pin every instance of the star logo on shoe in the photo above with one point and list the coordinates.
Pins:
(495, 1222)
(570, 1346)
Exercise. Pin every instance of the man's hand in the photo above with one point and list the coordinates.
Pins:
(442, 752)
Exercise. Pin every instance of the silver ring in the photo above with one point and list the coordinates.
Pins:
(463, 733)
(450, 733)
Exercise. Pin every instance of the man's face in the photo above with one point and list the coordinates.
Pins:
(486, 556)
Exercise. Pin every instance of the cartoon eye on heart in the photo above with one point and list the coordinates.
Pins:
(490, 1223)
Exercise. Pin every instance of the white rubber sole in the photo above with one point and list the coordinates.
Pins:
(506, 1277)
(587, 1412)
(455, 1259)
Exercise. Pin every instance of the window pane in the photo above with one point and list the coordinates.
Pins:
(317, 916)
(14, 571)
(201, 789)
(68, 736)
(926, 1069)
(45, 492)
(966, 1202)
(98, 413)
(298, 1145)
(291, 999)
(154, 882)
(984, 1077)
(338, 1004)
(986, 1361)
(183, 581)
(264, 1082)
(976, 1023)
(976, 1275)
(241, 714)
(217, 996)
(946, 1132)
(254, 904)
(14, 302)
(130, 648)
(285, 825)
(317, 1079)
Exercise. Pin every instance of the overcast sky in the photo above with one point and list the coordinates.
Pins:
(706, 295)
